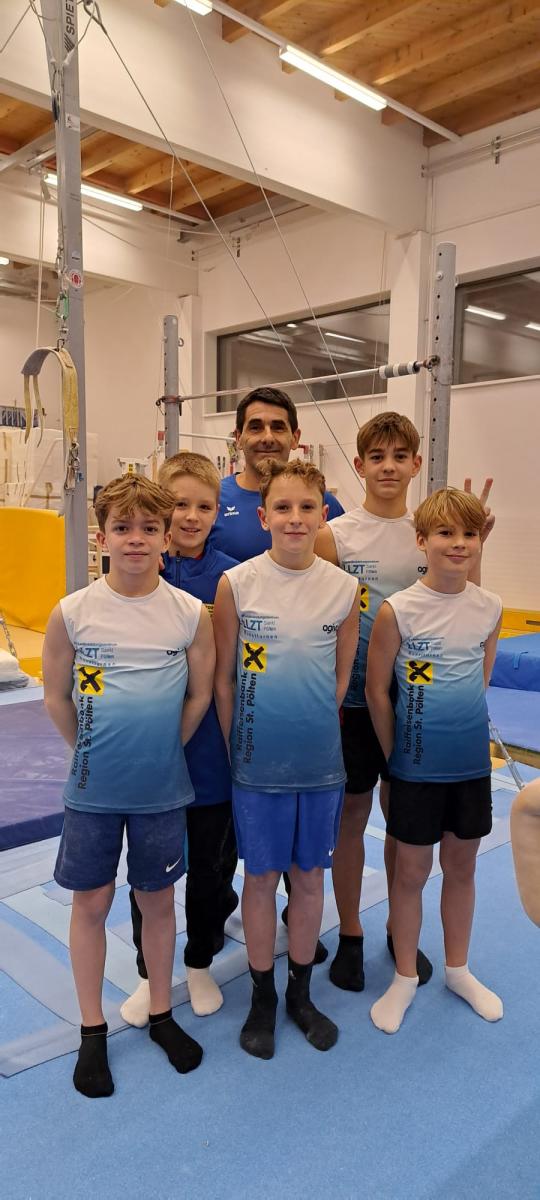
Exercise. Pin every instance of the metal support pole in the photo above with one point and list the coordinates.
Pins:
(60, 28)
(444, 290)
(171, 399)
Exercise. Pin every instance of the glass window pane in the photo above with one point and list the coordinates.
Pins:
(498, 328)
(356, 339)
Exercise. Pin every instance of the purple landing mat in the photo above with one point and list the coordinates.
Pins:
(34, 763)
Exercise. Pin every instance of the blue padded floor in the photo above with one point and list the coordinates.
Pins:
(517, 663)
(40, 1018)
(445, 1110)
(516, 715)
(33, 767)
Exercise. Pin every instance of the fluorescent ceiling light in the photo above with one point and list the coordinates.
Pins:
(100, 194)
(4, 262)
(531, 324)
(291, 325)
(344, 337)
(202, 7)
(334, 79)
(485, 312)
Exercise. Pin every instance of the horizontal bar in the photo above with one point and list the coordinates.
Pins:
(387, 371)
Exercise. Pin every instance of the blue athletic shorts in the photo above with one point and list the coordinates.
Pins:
(91, 845)
(275, 829)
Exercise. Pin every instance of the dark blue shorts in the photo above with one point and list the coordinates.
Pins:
(276, 829)
(91, 845)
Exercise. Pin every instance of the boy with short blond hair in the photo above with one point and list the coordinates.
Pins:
(127, 667)
(376, 544)
(195, 566)
(286, 630)
(439, 639)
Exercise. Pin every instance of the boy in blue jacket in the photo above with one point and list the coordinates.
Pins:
(196, 567)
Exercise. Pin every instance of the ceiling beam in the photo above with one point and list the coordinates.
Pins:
(8, 105)
(209, 189)
(99, 151)
(522, 99)
(459, 35)
(354, 28)
(150, 176)
(241, 198)
(8, 145)
(265, 11)
(466, 83)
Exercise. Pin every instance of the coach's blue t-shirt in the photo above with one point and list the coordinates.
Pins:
(238, 530)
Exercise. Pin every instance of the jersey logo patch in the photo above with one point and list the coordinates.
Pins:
(254, 656)
(419, 672)
(364, 597)
(91, 681)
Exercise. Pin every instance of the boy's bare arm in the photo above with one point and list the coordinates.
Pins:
(201, 660)
(490, 650)
(347, 641)
(325, 545)
(384, 644)
(58, 658)
(226, 625)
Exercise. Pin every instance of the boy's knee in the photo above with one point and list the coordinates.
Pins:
(267, 882)
(156, 904)
(307, 882)
(355, 812)
(94, 905)
(411, 873)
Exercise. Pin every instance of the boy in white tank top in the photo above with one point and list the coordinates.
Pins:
(128, 669)
(376, 544)
(286, 627)
(439, 638)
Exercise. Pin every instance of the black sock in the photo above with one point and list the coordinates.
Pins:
(91, 1075)
(347, 969)
(321, 953)
(257, 1033)
(182, 1051)
(319, 1030)
(230, 904)
(424, 968)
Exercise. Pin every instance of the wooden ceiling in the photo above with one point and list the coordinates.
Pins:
(463, 63)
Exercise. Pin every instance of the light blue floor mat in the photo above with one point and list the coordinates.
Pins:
(40, 1012)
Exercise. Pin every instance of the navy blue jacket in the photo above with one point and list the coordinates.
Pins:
(206, 753)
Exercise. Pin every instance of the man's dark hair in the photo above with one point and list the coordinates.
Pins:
(267, 395)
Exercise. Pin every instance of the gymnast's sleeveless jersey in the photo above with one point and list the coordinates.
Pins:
(382, 555)
(442, 729)
(285, 735)
(130, 674)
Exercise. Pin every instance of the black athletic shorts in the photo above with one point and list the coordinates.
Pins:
(419, 813)
(362, 754)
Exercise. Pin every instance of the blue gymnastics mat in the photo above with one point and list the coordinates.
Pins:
(39, 1017)
(34, 763)
(517, 664)
(516, 715)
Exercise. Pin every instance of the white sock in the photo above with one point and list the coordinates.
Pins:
(136, 1009)
(485, 1003)
(388, 1012)
(204, 993)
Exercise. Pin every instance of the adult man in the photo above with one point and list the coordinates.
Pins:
(266, 427)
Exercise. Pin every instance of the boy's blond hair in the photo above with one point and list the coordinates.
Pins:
(131, 492)
(187, 463)
(385, 429)
(447, 506)
(306, 472)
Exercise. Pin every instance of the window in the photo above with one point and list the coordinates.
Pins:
(357, 338)
(497, 329)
